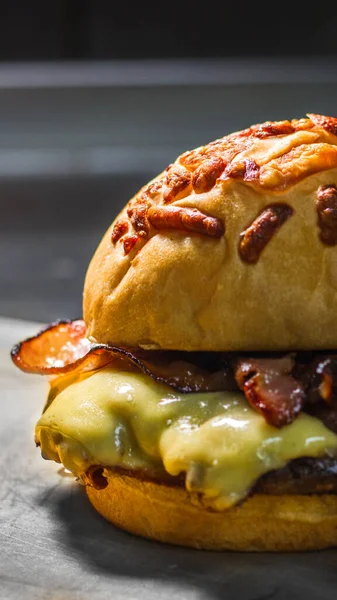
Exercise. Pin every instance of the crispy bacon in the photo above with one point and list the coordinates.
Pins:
(60, 344)
(326, 368)
(191, 372)
(63, 348)
(319, 377)
(269, 387)
(60, 348)
(277, 387)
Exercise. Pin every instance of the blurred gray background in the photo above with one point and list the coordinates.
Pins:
(95, 100)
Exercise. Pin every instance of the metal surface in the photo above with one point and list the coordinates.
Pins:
(53, 545)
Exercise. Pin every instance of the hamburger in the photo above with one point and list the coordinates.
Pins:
(196, 400)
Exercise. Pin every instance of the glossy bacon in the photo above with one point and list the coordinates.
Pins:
(278, 388)
(320, 379)
(60, 348)
(63, 348)
(60, 344)
(270, 388)
(326, 369)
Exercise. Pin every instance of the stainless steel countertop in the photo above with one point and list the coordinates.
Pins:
(53, 545)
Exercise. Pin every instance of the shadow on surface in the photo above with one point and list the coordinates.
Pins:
(114, 553)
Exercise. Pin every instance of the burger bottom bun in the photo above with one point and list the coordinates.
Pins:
(262, 523)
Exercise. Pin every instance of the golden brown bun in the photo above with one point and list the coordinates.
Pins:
(164, 278)
(262, 523)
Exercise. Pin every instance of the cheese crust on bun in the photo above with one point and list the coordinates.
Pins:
(232, 248)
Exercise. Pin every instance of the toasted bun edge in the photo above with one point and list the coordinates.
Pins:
(263, 522)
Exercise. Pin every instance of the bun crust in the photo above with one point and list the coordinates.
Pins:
(233, 247)
(262, 523)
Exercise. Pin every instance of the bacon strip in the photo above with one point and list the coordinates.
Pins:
(60, 344)
(319, 377)
(185, 219)
(270, 389)
(63, 347)
(278, 388)
(120, 228)
(326, 368)
(60, 348)
(320, 380)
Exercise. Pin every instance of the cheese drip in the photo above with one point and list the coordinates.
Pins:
(125, 419)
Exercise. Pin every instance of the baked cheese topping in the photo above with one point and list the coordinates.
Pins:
(126, 419)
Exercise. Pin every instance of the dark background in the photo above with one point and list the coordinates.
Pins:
(98, 97)
(104, 29)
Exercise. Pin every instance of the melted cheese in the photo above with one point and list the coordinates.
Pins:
(116, 418)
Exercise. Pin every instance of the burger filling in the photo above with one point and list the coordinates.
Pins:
(221, 444)
(222, 425)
